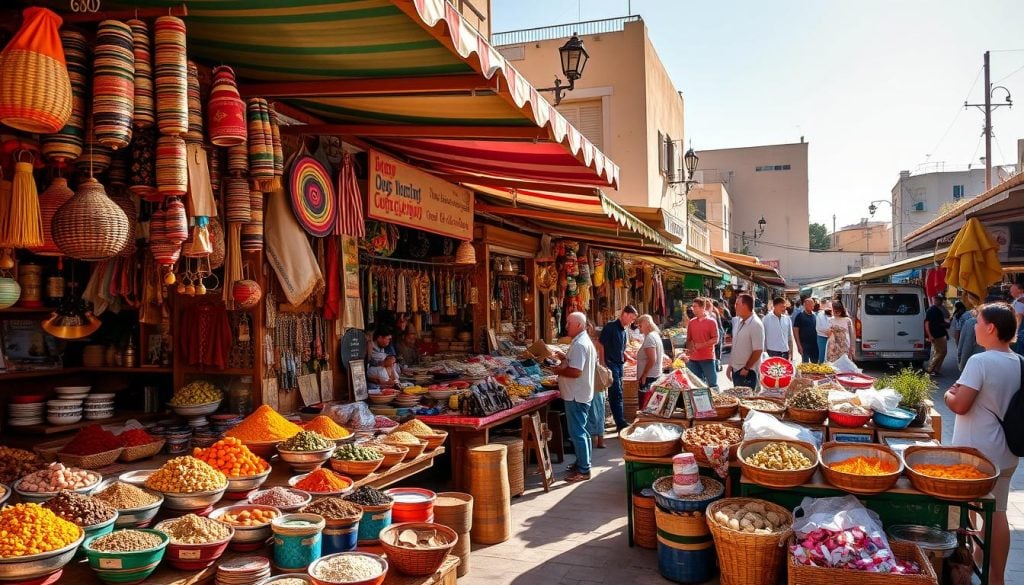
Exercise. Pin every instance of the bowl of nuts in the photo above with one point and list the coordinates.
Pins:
(778, 463)
(701, 438)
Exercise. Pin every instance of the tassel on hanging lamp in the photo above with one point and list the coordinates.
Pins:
(90, 226)
(24, 227)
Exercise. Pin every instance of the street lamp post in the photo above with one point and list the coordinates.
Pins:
(574, 58)
(872, 208)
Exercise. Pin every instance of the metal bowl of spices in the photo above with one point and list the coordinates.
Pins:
(139, 507)
(187, 502)
(244, 485)
(302, 461)
(29, 567)
(282, 498)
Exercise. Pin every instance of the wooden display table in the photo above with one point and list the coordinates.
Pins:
(900, 505)
(467, 431)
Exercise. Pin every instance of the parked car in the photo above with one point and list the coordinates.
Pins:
(888, 321)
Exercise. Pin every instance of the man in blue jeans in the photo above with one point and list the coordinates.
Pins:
(747, 344)
(612, 351)
(576, 375)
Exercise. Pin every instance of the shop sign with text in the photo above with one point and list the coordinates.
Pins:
(404, 195)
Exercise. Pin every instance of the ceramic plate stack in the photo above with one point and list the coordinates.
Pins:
(99, 406)
(29, 412)
(62, 411)
(243, 571)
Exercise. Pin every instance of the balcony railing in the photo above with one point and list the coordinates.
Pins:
(697, 235)
(562, 31)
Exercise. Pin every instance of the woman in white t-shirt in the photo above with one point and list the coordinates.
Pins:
(650, 357)
(980, 399)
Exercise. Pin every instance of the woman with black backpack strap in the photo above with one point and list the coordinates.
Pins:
(980, 399)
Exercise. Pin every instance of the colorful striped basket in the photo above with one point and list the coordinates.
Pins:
(113, 85)
(65, 145)
(171, 167)
(195, 106)
(145, 107)
(50, 200)
(226, 110)
(170, 69)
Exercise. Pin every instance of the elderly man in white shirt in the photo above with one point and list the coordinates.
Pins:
(778, 330)
(576, 385)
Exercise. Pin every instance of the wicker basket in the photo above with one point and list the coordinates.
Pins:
(647, 448)
(414, 450)
(800, 574)
(420, 561)
(90, 226)
(454, 510)
(806, 415)
(961, 490)
(35, 90)
(138, 452)
(645, 528)
(729, 410)
(776, 478)
(94, 461)
(745, 558)
(356, 467)
(394, 456)
(514, 460)
(434, 440)
(858, 484)
(698, 450)
(781, 410)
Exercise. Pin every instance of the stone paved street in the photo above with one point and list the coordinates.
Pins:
(576, 534)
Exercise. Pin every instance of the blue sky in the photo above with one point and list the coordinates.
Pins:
(874, 85)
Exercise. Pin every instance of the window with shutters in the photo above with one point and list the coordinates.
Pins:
(588, 118)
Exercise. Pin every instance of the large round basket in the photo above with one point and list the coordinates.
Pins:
(776, 478)
(434, 440)
(454, 510)
(745, 558)
(94, 461)
(648, 448)
(800, 574)
(962, 490)
(778, 410)
(833, 452)
(393, 454)
(806, 415)
(142, 451)
(418, 561)
(698, 450)
(645, 529)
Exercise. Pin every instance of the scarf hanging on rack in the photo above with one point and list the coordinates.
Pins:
(350, 202)
(289, 252)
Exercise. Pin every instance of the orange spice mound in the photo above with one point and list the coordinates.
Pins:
(861, 465)
(325, 425)
(958, 471)
(230, 457)
(264, 424)
(323, 480)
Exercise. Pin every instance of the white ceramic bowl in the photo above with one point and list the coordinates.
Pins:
(137, 478)
(72, 389)
(100, 396)
(54, 419)
(99, 415)
(197, 409)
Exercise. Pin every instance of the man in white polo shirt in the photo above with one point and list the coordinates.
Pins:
(778, 330)
(576, 385)
(747, 344)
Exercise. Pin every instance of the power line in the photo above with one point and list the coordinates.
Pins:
(1015, 72)
(959, 111)
(761, 242)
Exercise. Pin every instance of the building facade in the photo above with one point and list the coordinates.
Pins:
(711, 203)
(625, 103)
(762, 181)
(863, 237)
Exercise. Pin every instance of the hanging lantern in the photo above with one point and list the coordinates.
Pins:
(90, 226)
(50, 200)
(246, 293)
(217, 241)
(226, 110)
(35, 90)
(113, 84)
(72, 321)
(10, 292)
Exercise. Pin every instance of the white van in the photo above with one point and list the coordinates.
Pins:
(888, 321)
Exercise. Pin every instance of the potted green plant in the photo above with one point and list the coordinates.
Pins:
(915, 390)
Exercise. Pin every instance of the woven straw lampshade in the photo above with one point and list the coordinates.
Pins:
(35, 90)
(90, 226)
(466, 253)
(50, 200)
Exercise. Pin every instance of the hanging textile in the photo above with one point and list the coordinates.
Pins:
(201, 202)
(289, 252)
(332, 300)
(350, 220)
(204, 335)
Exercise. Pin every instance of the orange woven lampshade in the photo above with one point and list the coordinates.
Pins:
(35, 90)
(50, 200)
(90, 226)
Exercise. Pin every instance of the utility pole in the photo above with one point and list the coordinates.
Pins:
(835, 241)
(987, 108)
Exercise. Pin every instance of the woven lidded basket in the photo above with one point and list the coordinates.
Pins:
(90, 226)
(746, 558)
(35, 89)
(647, 448)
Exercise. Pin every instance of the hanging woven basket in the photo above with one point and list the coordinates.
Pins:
(90, 226)
(35, 90)
(246, 293)
(176, 221)
(217, 241)
(66, 144)
(113, 84)
(195, 107)
(171, 75)
(171, 167)
(50, 200)
(238, 201)
(131, 211)
(226, 110)
(142, 171)
(145, 109)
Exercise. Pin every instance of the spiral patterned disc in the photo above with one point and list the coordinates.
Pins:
(312, 196)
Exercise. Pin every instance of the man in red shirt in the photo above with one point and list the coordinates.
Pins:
(701, 338)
